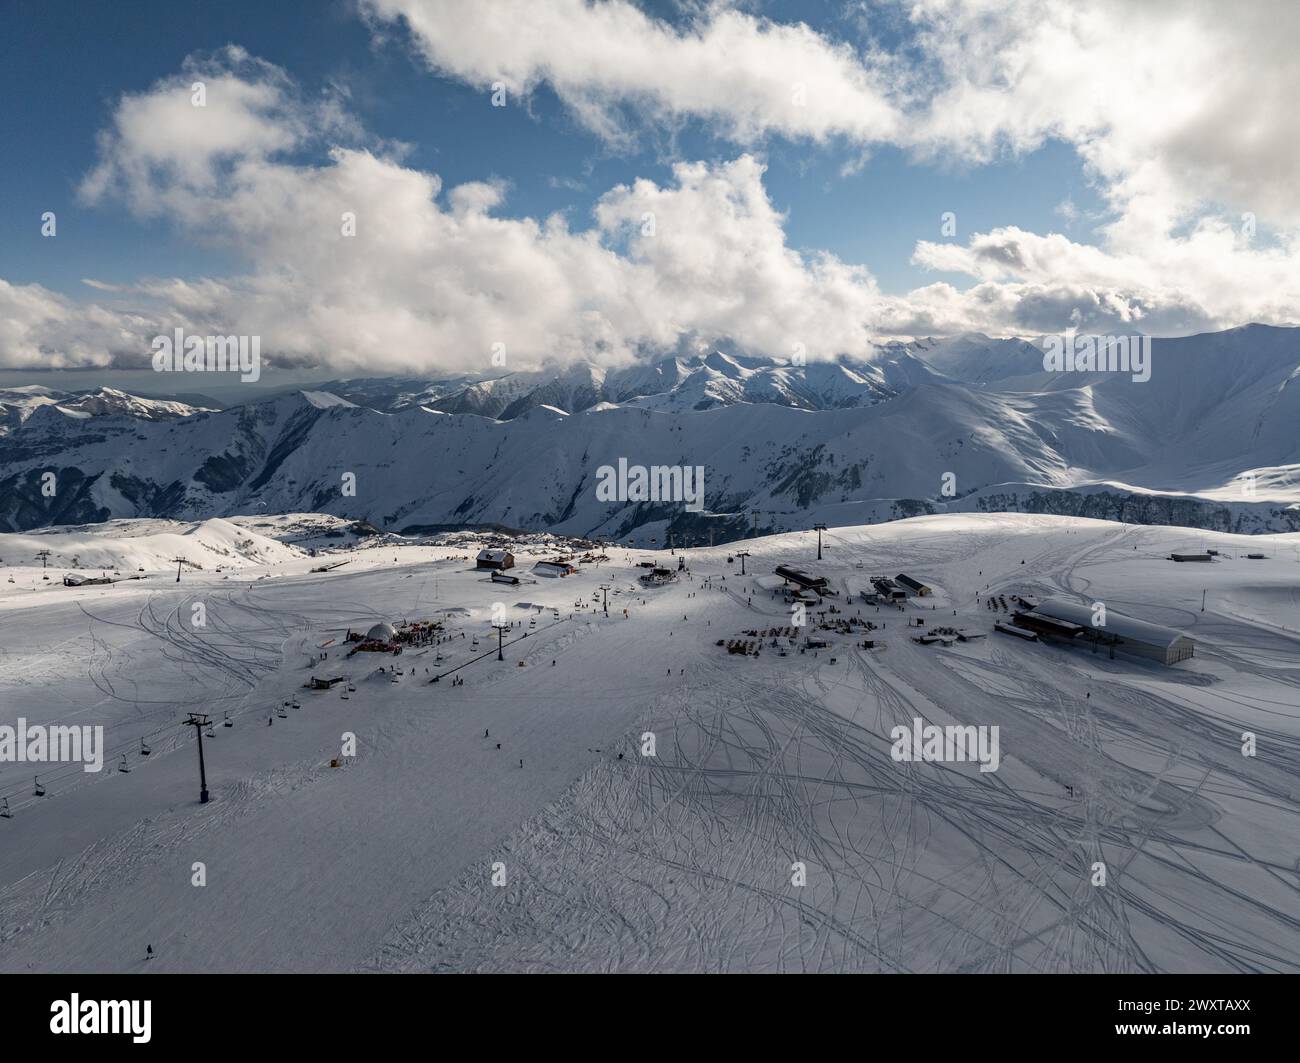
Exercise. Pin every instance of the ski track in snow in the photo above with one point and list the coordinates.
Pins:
(681, 861)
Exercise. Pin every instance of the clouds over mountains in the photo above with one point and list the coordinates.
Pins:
(434, 277)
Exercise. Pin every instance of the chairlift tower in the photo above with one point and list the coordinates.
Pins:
(179, 562)
(742, 554)
(819, 528)
(200, 721)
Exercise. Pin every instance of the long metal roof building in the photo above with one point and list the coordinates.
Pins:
(1133, 636)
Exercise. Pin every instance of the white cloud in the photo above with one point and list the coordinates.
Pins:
(43, 329)
(1173, 103)
(749, 75)
(433, 277)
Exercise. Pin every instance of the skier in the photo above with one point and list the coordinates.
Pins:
(148, 952)
(485, 732)
(521, 762)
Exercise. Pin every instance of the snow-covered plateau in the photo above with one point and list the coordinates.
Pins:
(624, 793)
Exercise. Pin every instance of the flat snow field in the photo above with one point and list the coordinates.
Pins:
(433, 850)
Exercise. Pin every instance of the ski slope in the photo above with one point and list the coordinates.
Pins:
(681, 861)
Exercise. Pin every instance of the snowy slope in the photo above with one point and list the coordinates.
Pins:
(130, 546)
(680, 860)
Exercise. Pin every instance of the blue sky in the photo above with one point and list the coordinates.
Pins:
(71, 61)
(1096, 185)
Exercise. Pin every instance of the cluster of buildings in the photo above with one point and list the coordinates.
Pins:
(498, 559)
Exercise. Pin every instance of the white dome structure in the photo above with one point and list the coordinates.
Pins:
(382, 632)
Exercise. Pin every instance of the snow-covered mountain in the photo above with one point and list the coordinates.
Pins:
(926, 427)
(17, 404)
(675, 384)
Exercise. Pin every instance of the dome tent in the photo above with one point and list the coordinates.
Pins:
(382, 632)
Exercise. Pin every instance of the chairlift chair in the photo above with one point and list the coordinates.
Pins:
(145, 749)
(227, 722)
(4, 808)
(209, 733)
(39, 789)
(282, 713)
(123, 766)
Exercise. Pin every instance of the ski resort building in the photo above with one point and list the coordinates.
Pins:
(810, 583)
(495, 559)
(86, 581)
(657, 577)
(554, 568)
(915, 586)
(1189, 557)
(888, 589)
(1048, 626)
(501, 577)
(1125, 634)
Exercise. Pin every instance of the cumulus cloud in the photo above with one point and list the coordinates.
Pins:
(1172, 103)
(43, 329)
(750, 76)
(364, 263)
(433, 278)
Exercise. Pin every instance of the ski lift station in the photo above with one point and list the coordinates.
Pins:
(889, 590)
(805, 581)
(1136, 638)
(658, 576)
